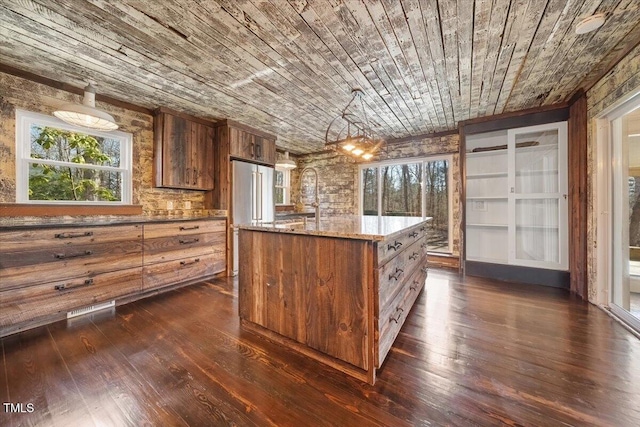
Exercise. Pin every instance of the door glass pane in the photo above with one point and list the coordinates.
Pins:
(537, 232)
(537, 162)
(370, 191)
(401, 192)
(437, 203)
(627, 262)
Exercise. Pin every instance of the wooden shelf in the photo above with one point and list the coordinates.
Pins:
(488, 198)
(487, 175)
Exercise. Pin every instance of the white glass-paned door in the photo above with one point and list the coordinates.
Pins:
(538, 196)
(625, 293)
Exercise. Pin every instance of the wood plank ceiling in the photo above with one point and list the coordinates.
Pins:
(288, 67)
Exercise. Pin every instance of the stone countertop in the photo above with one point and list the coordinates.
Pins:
(13, 223)
(359, 227)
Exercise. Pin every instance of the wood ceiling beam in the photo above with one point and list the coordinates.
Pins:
(7, 69)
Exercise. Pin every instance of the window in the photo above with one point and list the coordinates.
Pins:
(283, 184)
(418, 188)
(61, 163)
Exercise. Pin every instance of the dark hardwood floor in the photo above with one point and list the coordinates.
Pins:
(471, 353)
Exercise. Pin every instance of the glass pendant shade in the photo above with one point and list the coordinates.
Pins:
(86, 114)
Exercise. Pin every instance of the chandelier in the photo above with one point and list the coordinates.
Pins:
(351, 133)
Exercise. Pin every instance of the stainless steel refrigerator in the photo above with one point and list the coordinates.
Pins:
(253, 203)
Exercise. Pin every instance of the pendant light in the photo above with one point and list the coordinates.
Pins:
(86, 114)
(285, 163)
(351, 133)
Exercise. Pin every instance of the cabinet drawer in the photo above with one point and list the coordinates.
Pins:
(394, 273)
(170, 248)
(387, 249)
(183, 228)
(57, 238)
(182, 270)
(31, 302)
(59, 263)
(393, 315)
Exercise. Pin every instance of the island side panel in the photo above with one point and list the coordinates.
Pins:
(314, 290)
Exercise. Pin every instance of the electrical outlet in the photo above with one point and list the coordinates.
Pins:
(187, 205)
(169, 205)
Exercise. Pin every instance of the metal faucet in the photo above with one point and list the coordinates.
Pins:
(316, 202)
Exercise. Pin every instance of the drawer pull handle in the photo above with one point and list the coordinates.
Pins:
(395, 246)
(422, 228)
(189, 242)
(195, 227)
(413, 234)
(413, 256)
(424, 269)
(396, 275)
(78, 255)
(424, 245)
(72, 235)
(185, 263)
(68, 287)
(415, 286)
(397, 318)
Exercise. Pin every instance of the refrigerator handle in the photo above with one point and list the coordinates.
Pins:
(254, 179)
(260, 195)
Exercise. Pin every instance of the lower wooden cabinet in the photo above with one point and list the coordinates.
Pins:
(181, 252)
(46, 272)
(29, 303)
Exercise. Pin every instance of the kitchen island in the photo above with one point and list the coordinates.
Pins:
(339, 291)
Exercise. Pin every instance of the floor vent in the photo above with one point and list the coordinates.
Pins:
(90, 309)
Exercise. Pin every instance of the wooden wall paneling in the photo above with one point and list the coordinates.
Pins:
(481, 18)
(578, 196)
(410, 43)
(258, 81)
(521, 29)
(311, 36)
(323, 20)
(550, 60)
(621, 17)
(431, 91)
(392, 65)
(432, 24)
(288, 67)
(465, 30)
(496, 28)
(448, 13)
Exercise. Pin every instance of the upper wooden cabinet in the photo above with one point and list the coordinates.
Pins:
(183, 152)
(249, 144)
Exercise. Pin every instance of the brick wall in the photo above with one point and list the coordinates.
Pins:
(620, 82)
(20, 93)
(338, 183)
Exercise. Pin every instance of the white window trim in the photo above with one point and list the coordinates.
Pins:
(24, 120)
(286, 186)
(409, 160)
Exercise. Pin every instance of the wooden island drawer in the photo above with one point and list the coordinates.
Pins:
(387, 249)
(31, 302)
(183, 270)
(393, 274)
(393, 315)
(184, 228)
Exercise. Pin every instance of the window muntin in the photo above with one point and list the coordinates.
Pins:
(411, 187)
(282, 186)
(60, 163)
